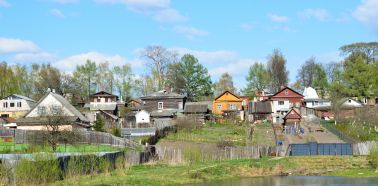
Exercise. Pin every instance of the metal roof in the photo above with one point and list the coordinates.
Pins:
(163, 94)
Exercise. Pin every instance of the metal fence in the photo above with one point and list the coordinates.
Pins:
(313, 149)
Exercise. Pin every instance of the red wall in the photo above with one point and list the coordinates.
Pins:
(292, 96)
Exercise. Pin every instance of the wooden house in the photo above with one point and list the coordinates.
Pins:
(15, 106)
(283, 101)
(227, 102)
(260, 111)
(163, 100)
(138, 119)
(198, 111)
(134, 104)
(48, 106)
(104, 101)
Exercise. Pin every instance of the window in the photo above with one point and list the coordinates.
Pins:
(11, 104)
(232, 107)
(349, 101)
(297, 104)
(160, 105)
(316, 103)
(5, 104)
(281, 103)
(18, 104)
(286, 92)
(98, 100)
(219, 106)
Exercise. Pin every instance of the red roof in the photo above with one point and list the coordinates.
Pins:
(296, 94)
(292, 114)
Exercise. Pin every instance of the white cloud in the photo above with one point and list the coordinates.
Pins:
(169, 15)
(34, 57)
(367, 13)
(319, 14)
(277, 18)
(237, 68)
(4, 3)
(190, 32)
(159, 10)
(12, 45)
(247, 26)
(57, 13)
(65, 1)
(69, 64)
(208, 57)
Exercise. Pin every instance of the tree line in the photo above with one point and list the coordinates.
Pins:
(356, 75)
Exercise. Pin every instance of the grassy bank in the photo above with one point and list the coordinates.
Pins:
(26, 148)
(216, 132)
(160, 174)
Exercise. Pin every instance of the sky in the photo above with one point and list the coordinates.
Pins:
(226, 36)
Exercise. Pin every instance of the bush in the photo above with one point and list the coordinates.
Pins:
(86, 165)
(40, 170)
(193, 155)
(373, 157)
(116, 132)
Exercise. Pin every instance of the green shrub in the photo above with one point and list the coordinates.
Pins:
(116, 132)
(193, 155)
(373, 157)
(86, 165)
(41, 169)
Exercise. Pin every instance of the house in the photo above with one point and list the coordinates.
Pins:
(292, 118)
(312, 100)
(104, 101)
(227, 102)
(163, 100)
(139, 119)
(261, 110)
(350, 103)
(47, 106)
(198, 111)
(283, 101)
(15, 106)
(134, 104)
(261, 95)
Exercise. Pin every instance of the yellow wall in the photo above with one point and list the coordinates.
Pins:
(15, 115)
(225, 100)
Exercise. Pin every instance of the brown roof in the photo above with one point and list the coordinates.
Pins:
(286, 88)
(196, 107)
(103, 94)
(260, 107)
(42, 120)
(292, 114)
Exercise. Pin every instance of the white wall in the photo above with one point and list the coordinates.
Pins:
(351, 103)
(24, 105)
(142, 117)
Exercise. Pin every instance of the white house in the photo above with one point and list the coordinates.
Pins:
(49, 105)
(280, 108)
(312, 100)
(350, 103)
(142, 117)
(15, 106)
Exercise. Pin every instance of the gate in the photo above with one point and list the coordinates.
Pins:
(313, 149)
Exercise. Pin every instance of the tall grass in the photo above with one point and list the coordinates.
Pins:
(373, 157)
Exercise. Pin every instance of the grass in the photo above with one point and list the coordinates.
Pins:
(263, 135)
(161, 174)
(212, 133)
(26, 148)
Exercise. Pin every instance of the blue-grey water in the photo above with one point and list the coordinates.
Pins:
(295, 181)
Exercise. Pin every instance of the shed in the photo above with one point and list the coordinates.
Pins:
(260, 110)
(292, 117)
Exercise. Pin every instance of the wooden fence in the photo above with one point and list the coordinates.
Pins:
(178, 155)
(90, 137)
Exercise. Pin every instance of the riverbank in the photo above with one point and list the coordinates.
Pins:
(198, 172)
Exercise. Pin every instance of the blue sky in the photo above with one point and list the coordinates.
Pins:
(226, 36)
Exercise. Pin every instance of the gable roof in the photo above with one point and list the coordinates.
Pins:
(225, 93)
(64, 103)
(20, 96)
(292, 114)
(163, 94)
(103, 93)
(289, 89)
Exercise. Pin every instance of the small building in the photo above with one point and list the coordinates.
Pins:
(197, 111)
(349, 103)
(134, 104)
(48, 105)
(261, 95)
(15, 106)
(227, 102)
(261, 110)
(103, 101)
(163, 100)
(138, 119)
(292, 118)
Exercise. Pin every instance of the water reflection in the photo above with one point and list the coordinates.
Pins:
(295, 181)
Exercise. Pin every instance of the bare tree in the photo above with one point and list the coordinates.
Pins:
(58, 127)
(159, 60)
(277, 70)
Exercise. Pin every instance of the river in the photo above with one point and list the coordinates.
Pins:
(294, 181)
